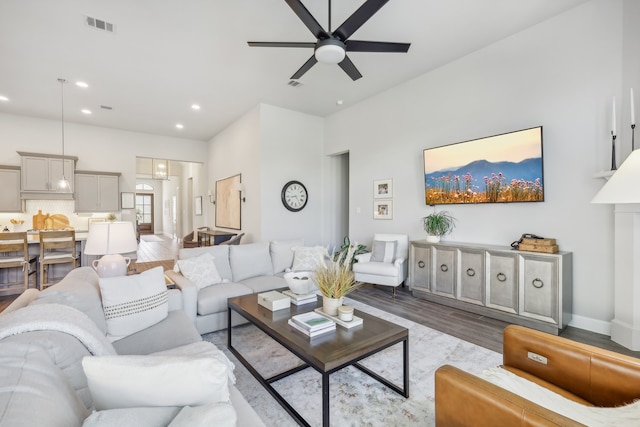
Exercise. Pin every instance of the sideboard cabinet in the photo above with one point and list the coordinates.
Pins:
(526, 288)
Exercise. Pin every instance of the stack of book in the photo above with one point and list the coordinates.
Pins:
(312, 324)
(297, 299)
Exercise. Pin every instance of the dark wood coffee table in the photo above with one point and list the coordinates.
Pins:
(327, 353)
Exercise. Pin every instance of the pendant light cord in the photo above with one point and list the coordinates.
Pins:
(62, 82)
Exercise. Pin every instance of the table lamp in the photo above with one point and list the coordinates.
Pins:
(111, 239)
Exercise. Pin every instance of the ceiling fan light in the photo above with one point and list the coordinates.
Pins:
(330, 54)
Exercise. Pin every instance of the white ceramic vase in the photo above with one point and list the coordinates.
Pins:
(433, 239)
(330, 305)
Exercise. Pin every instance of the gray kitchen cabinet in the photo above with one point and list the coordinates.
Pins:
(41, 173)
(526, 288)
(10, 190)
(97, 191)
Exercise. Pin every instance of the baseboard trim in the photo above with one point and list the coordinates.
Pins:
(593, 325)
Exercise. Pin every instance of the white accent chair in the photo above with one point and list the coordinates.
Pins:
(384, 273)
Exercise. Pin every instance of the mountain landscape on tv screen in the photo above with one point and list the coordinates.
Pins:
(482, 181)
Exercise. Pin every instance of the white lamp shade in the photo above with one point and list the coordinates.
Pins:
(624, 185)
(111, 238)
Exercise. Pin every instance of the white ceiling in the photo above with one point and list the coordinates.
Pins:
(166, 55)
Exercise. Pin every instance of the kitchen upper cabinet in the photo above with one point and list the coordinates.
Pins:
(41, 173)
(10, 189)
(97, 191)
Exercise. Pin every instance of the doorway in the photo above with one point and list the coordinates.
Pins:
(144, 212)
(339, 205)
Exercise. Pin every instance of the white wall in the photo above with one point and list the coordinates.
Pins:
(561, 74)
(97, 149)
(270, 146)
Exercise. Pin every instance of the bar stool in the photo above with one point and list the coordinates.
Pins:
(56, 247)
(14, 253)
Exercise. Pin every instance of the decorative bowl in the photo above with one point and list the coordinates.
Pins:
(300, 282)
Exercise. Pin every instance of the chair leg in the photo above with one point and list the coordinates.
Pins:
(395, 290)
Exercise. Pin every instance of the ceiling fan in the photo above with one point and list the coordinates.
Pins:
(331, 47)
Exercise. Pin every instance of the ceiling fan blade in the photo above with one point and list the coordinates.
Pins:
(366, 46)
(306, 67)
(359, 17)
(307, 18)
(351, 70)
(281, 44)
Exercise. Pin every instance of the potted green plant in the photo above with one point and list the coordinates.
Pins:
(438, 224)
(335, 279)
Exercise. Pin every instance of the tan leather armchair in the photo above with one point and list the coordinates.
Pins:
(583, 373)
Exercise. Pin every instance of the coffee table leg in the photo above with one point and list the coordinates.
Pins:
(325, 399)
(405, 366)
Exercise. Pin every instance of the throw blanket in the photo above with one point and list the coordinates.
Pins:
(57, 317)
(628, 415)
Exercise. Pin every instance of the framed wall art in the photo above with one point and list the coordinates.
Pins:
(127, 200)
(383, 209)
(228, 205)
(383, 189)
(197, 206)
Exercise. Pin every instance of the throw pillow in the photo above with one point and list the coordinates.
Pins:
(250, 260)
(282, 254)
(142, 381)
(200, 270)
(383, 251)
(307, 258)
(133, 303)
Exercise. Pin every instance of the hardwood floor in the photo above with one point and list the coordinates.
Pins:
(477, 329)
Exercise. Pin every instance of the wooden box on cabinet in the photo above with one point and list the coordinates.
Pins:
(525, 288)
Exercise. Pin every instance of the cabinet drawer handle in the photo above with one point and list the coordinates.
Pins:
(421, 264)
(501, 277)
(471, 272)
(444, 268)
(537, 283)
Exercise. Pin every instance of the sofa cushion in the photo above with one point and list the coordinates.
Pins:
(307, 258)
(220, 254)
(133, 303)
(201, 270)
(265, 283)
(221, 414)
(250, 260)
(139, 417)
(383, 251)
(282, 254)
(143, 381)
(80, 290)
(34, 391)
(214, 298)
(175, 330)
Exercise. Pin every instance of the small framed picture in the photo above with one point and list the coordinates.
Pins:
(197, 206)
(383, 209)
(383, 189)
(127, 200)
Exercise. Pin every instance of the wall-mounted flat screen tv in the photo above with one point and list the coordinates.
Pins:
(497, 169)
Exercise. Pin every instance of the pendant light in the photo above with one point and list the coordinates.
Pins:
(63, 184)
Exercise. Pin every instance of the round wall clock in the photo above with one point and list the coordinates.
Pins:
(294, 196)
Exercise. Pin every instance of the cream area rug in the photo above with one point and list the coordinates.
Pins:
(356, 399)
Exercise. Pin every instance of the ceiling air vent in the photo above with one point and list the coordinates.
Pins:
(99, 24)
(106, 107)
(294, 83)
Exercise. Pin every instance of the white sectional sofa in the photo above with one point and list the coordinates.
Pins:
(242, 269)
(45, 336)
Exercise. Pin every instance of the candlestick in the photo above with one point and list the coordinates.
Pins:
(613, 118)
(633, 137)
(633, 110)
(613, 151)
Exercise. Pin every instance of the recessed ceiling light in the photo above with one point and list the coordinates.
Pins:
(86, 111)
(195, 107)
(339, 102)
(82, 85)
(179, 126)
(4, 98)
